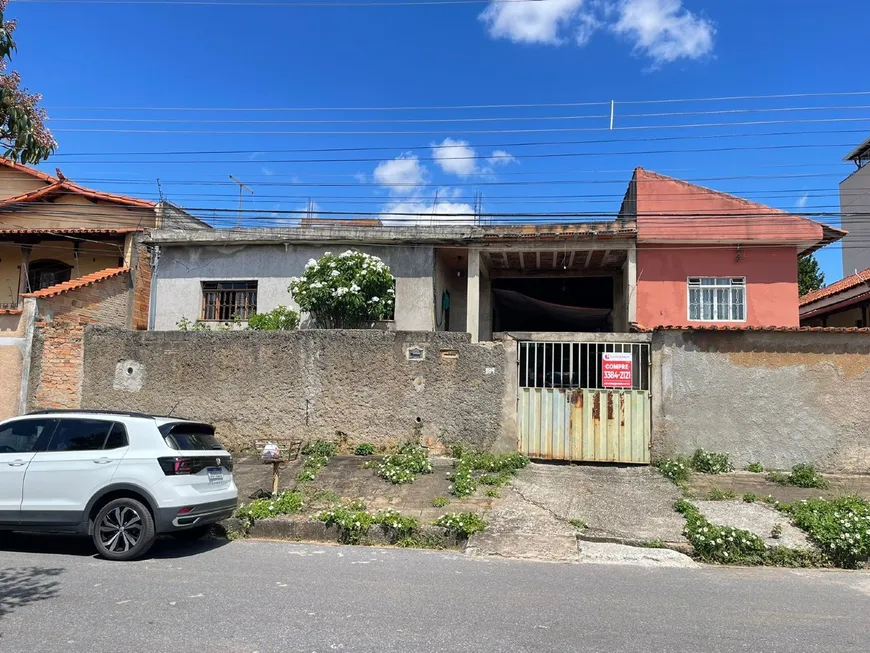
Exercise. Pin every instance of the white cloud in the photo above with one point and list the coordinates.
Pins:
(802, 200)
(401, 175)
(531, 22)
(501, 158)
(267, 171)
(455, 157)
(422, 211)
(662, 30)
(360, 177)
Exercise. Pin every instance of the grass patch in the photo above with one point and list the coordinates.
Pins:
(463, 524)
(655, 544)
(353, 522)
(440, 502)
(749, 497)
(320, 448)
(720, 495)
(841, 527)
(286, 503)
(405, 465)
(801, 475)
(421, 541)
(485, 468)
(729, 545)
(755, 468)
(708, 462)
(493, 493)
(676, 469)
(579, 524)
(364, 449)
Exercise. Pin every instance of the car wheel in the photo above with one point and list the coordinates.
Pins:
(191, 534)
(123, 530)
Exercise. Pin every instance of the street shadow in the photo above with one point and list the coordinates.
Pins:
(20, 586)
(74, 545)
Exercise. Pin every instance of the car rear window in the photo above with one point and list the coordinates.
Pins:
(187, 436)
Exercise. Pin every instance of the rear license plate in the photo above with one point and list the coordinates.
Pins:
(215, 474)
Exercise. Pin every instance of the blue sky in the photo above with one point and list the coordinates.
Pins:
(91, 60)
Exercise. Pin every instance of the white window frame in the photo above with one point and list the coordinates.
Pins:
(701, 286)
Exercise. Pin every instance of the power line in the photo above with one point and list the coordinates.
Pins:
(553, 130)
(292, 3)
(539, 105)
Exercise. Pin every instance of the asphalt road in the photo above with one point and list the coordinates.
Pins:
(273, 596)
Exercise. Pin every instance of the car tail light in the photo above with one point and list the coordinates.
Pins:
(176, 466)
(184, 511)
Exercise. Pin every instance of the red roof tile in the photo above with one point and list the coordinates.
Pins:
(11, 311)
(33, 172)
(713, 327)
(847, 283)
(81, 282)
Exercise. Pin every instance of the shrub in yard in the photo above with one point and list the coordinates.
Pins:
(278, 319)
(708, 462)
(353, 522)
(841, 527)
(749, 497)
(285, 503)
(676, 469)
(756, 468)
(721, 544)
(405, 465)
(320, 448)
(463, 524)
(804, 475)
(364, 449)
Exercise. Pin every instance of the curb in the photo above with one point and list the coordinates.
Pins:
(679, 547)
(309, 530)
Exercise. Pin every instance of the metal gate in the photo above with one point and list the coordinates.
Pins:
(584, 401)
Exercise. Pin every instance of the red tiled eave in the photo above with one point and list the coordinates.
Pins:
(844, 284)
(73, 284)
(713, 327)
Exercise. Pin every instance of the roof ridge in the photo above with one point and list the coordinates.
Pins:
(79, 282)
(841, 285)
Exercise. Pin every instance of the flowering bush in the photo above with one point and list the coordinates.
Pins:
(676, 469)
(405, 465)
(804, 475)
(345, 291)
(719, 543)
(708, 462)
(841, 527)
(500, 467)
(354, 522)
(22, 122)
(461, 523)
(284, 504)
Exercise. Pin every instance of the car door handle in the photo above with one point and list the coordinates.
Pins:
(102, 461)
(17, 463)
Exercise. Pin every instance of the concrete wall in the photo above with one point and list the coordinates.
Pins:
(778, 398)
(771, 282)
(16, 336)
(855, 207)
(307, 384)
(181, 270)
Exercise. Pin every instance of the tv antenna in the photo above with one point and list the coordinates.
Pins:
(242, 187)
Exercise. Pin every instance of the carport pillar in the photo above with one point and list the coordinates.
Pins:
(629, 276)
(472, 313)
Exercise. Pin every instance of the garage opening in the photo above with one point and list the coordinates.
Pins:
(553, 304)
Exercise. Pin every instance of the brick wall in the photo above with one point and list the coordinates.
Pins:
(57, 359)
(141, 288)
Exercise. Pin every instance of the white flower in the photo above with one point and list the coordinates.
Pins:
(374, 300)
(311, 264)
(354, 287)
(334, 273)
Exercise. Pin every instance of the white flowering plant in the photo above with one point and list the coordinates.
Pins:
(282, 504)
(722, 544)
(404, 465)
(841, 527)
(463, 524)
(350, 290)
(354, 521)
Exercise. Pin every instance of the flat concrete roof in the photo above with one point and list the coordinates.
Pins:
(411, 234)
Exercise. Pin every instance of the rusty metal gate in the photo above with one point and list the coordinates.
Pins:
(584, 401)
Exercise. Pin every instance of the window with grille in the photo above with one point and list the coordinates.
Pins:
(717, 299)
(225, 301)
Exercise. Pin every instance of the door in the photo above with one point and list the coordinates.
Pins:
(584, 401)
(81, 457)
(19, 441)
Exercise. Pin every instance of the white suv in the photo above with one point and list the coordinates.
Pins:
(122, 478)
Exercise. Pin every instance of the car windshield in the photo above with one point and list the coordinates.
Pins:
(187, 436)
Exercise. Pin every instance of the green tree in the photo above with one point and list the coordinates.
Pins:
(278, 319)
(810, 276)
(23, 133)
(345, 291)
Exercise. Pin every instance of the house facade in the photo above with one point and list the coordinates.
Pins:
(855, 211)
(676, 254)
(844, 303)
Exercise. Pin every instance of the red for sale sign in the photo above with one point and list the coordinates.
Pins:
(616, 370)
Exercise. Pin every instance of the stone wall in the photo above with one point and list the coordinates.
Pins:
(374, 386)
(778, 398)
(56, 360)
